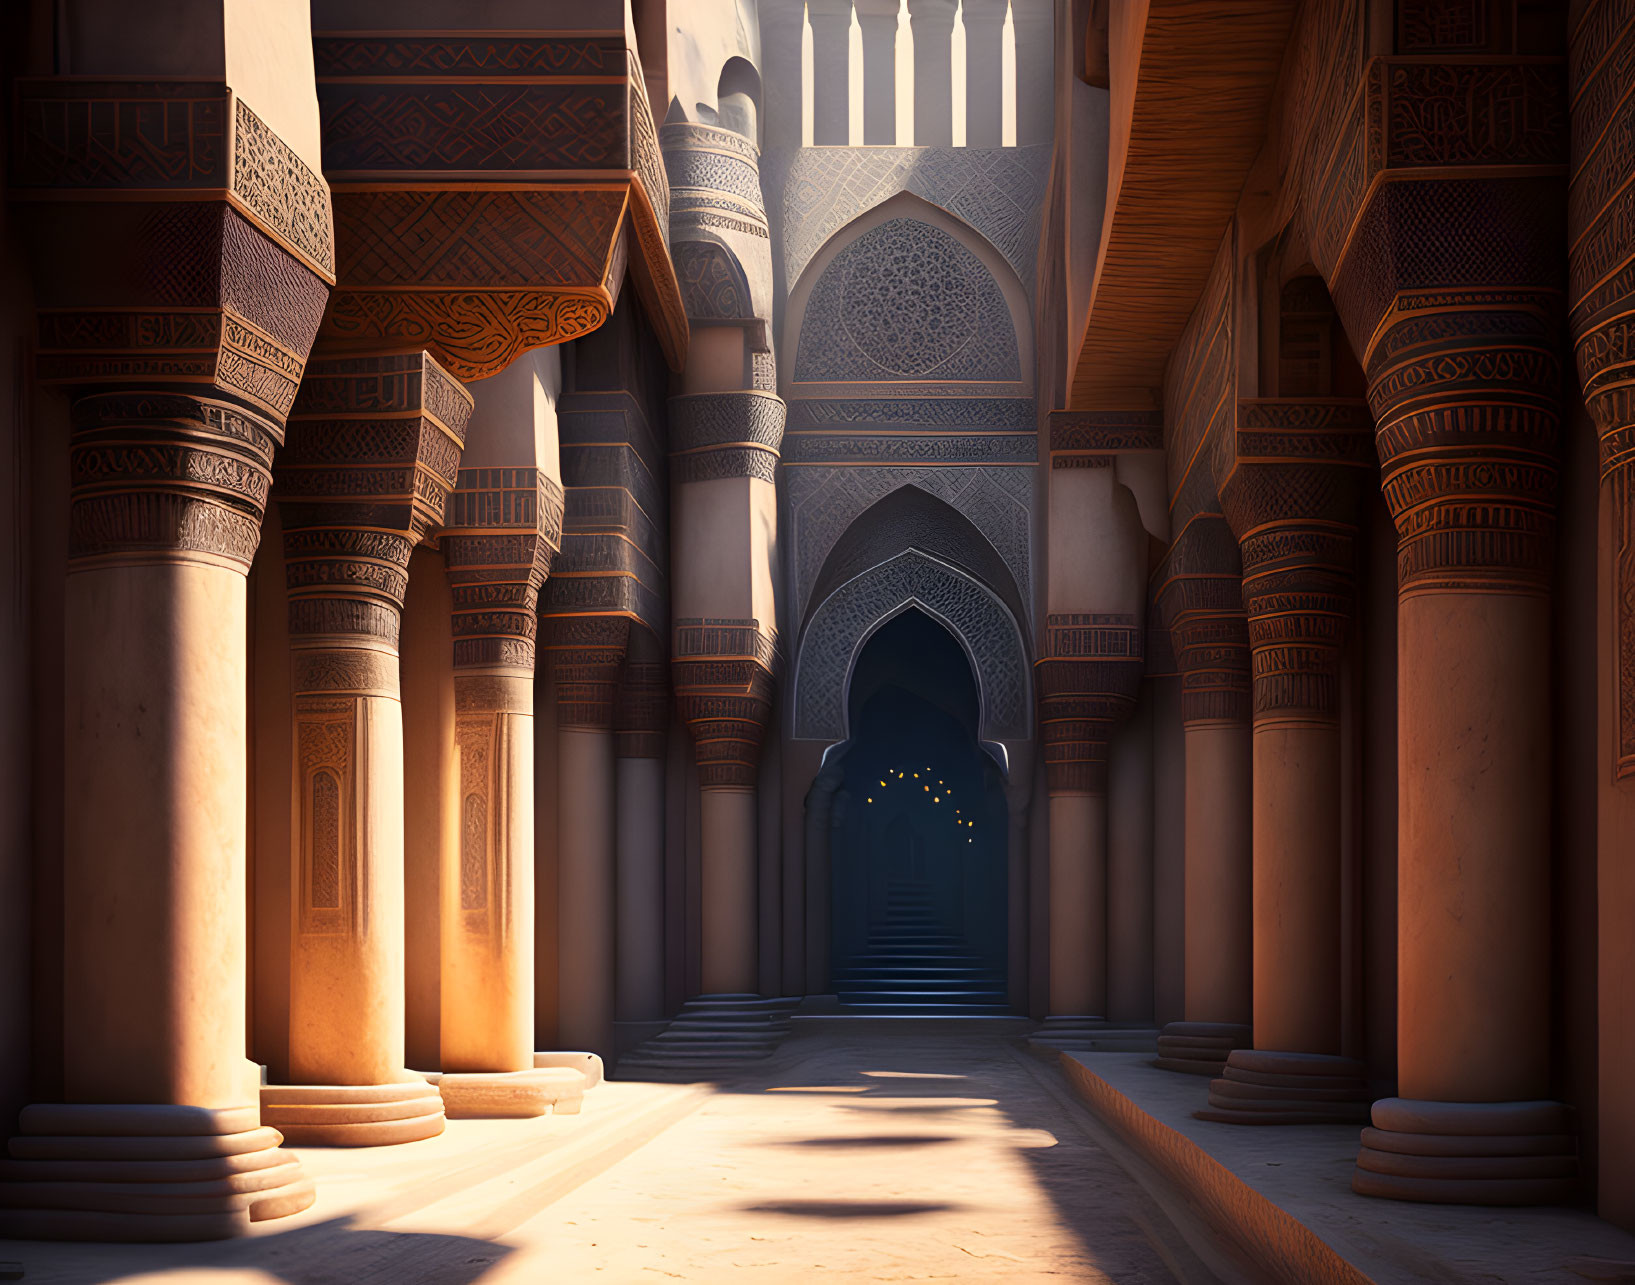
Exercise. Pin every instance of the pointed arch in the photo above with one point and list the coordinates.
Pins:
(906, 294)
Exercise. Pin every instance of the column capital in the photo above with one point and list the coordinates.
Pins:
(587, 653)
(931, 12)
(1200, 593)
(881, 12)
(830, 11)
(724, 674)
(504, 527)
(1291, 499)
(1087, 682)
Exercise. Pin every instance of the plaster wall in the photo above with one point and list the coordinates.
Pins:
(1097, 543)
(726, 526)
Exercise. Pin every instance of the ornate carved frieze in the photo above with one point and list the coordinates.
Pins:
(587, 655)
(714, 435)
(1200, 595)
(1091, 439)
(941, 449)
(482, 189)
(723, 672)
(1291, 500)
(503, 527)
(163, 476)
(1601, 282)
(189, 248)
(1087, 682)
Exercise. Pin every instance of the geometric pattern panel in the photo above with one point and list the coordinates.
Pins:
(907, 301)
(997, 191)
(823, 502)
(843, 623)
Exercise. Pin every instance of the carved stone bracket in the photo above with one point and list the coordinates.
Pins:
(724, 673)
(189, 248)
(1291, 500)
(489, 192)
(1087, 684)
(734, 434)
(1200, 593)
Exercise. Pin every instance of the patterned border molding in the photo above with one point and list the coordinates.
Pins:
(724, 674)
(715, 435)
(1200, 597)
(910, 448)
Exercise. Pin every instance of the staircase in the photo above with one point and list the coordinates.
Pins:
(913, 965)
(712, 1032)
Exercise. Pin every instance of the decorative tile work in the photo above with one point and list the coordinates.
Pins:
(823, 502)
(907, 301)
(974, 413)
(999, 192)
(844, 621)
(910, 448)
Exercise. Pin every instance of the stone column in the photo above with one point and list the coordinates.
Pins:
(831, 71)
(1601, 292)
(373, 449)
(504, 527)
(1468, 450)
(723, 453)
(587, 653)
(984, 77)
(878, 20)
(932, 25)
(1168, 830)
(641, 727)
(180, 323)
(1202, 597)
(1130, 881)
(820, 805)
(1087, 683)
(1034, 22)
(1291, 499)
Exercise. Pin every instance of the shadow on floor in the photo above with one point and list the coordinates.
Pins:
(327, 1253)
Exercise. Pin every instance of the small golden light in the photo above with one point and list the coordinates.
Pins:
(926, 788)
(936, 798)
(871, 800)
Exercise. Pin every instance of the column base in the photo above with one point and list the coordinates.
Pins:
(1199, 1048)
(353, 1115)
(588, 1065)
(1091, 1035)
(1469, 1153)
(1260, 1086)
(511, 1095)
(145, 1173)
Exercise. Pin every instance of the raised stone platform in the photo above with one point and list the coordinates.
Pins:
(1284, 1197)
(1091, 1035)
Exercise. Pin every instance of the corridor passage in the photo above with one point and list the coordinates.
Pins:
(883, 1150)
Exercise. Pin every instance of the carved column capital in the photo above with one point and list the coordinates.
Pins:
(162, 477)
(1200, 594)
(1291, 500)
(504, 526)
(724, 673)
(1087, 683)
(372, 450)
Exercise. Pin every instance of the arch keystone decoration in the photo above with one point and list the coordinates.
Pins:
(841, 625)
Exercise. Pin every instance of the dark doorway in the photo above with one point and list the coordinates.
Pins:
(917, 845)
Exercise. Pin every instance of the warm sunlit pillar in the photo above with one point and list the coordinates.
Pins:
(348, 535)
